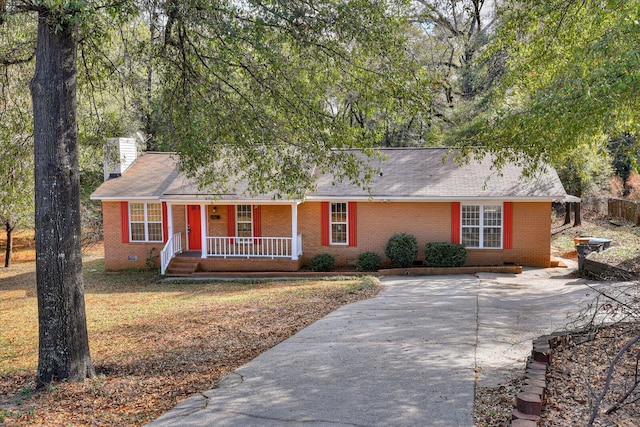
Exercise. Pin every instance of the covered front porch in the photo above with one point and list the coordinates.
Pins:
(228, 237)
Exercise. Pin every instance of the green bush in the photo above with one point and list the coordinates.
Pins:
(322, 262)
(445, 254)
(369, 261)
(402, 249)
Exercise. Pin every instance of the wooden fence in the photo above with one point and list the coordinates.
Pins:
(626, 209)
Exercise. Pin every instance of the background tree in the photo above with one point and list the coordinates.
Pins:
(625, 151)
(16, 153)
(571, 75)
(273, 85)
(583, 170)
(453, 36)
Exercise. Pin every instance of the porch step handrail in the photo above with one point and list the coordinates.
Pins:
(251, 247)
(173, 247)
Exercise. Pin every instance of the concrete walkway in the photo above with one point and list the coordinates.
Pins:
(411, 356)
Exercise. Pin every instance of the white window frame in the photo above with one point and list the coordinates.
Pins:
(481, 226)
(345, 223)
(146, 222)
(244, 239)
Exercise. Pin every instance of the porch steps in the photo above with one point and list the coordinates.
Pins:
(181, 267)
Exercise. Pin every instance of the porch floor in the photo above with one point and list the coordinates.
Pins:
(220, 266)
(189, 254)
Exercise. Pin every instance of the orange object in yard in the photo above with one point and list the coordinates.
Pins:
(581, 240)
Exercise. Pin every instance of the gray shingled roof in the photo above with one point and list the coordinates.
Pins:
(407, 173)
(421, 173)
(148, 177)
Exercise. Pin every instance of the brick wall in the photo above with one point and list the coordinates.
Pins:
(430, 222)
(376, 223)
(179, 213)
(118, 255)
(275, 220)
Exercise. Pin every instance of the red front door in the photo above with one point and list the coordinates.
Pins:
(193, 228)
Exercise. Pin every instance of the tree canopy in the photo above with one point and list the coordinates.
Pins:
(266, 90)
(572, 74)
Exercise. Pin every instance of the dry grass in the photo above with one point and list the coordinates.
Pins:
(153, 342)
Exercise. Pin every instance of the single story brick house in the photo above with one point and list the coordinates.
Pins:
(151, 210)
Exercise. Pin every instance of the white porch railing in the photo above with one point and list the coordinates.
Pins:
(173, 246)
(253, 247)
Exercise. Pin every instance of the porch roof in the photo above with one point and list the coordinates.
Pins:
(406, 174)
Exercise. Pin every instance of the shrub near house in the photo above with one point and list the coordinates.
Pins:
(402, 249)
(445, 254)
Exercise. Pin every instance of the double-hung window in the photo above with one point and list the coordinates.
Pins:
(145, 222)
(338, 223)
(244, 221)
(482, 226)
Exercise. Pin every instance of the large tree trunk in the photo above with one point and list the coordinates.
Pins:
(7, 255)
(577, 221)
(63, 341)
(567, 213)
(577, 217)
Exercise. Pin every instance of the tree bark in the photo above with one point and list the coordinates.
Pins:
(63, 341)
(567, 213)
(7, 256)
(577, 218)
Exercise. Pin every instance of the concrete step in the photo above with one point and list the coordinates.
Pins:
(181, 268)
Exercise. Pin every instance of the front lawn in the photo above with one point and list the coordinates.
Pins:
(153, 342)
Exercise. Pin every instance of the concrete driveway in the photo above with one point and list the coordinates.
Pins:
(407, 357)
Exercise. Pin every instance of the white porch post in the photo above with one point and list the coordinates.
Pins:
(169, 220)
(294, 231)
(203, 228)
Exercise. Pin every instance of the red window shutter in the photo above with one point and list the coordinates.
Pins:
(165, 224)
(124, 221)
(231, 222)
(257, 222)
(324, 223)
(455, 222)
(352, 222)
(507, 231)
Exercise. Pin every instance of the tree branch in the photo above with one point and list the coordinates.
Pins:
(612, 366)
(631, 389)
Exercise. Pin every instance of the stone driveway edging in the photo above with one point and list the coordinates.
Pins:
(409, 271)
(439, 271)
(529, 402)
